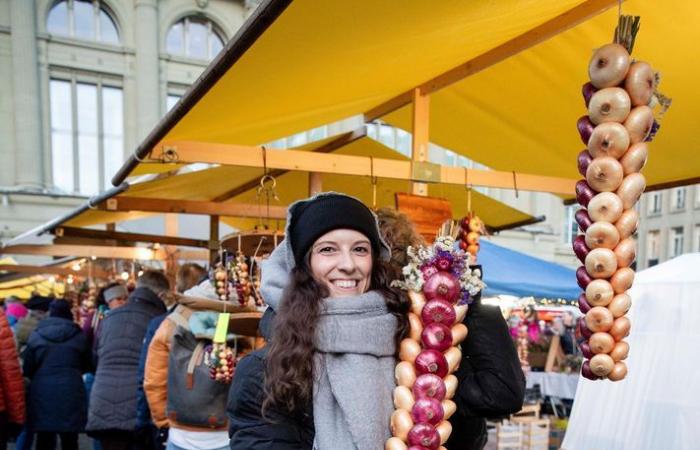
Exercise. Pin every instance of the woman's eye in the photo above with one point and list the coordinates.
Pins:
(362, 250)
(326, 249)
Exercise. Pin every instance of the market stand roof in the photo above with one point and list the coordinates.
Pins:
(297, 65)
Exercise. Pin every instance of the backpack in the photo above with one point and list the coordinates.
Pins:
(194, 399)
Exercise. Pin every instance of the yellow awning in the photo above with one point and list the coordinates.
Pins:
(24, 288)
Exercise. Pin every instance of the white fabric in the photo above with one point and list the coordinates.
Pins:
(562, 385)
(198, 440)
(658, 405)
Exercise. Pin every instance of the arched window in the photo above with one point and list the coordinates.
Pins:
(194, 37)
(82, 19)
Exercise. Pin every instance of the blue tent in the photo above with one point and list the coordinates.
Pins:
(513, 273)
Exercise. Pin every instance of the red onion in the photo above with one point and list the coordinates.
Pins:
(583, 304)
(584, 159)
(585, 128)
(429, 386)
(584, 193)
(586, 350)
(442, 286)
(431, 361)
(416, 447)
(586, 333)
(582, 277)
(436, 336)
(580, 247)
(587, 90)
(583, 219)
(427, 410)
(438, 311)
(587, 372)
(425, 435)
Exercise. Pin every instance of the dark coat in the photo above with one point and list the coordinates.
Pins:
(143, 412)
(119, 341)
(57, 355)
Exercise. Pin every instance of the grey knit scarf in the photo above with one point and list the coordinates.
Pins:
(354, 367)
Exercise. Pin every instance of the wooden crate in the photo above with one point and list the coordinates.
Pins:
(509, 435)
(536, 434)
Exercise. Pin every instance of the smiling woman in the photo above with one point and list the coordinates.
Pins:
(341, 260)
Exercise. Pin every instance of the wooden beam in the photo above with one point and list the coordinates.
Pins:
(251, 156)
(564, 21)
(140, 253)
(49, 270)
(341, 141)
(161, 205)
(421, 136)
(213, 237)
(128, 237)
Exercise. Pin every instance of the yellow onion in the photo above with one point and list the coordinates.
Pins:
(635, 158)
(619, 305)
(640, 83)
(620, 328)
(449, 407)
(401, 424)
(605, 207)
(602, 235)
(622, 280)
(453, 356)
(444, 429)
(601, 263)
(599, 319)
(627, 223)
(626, 252)
(639, 123)
(604, 174)
(459, 333)
(395, 443)
(608, 139)
(620, 351)
(631, 189)
(599, 293)
(601, 342)
(609, 105)
(450, 386)
(461, 311)
(403, 398)
(601, 364)
(608, 66)
(409, 350)
(405, 374)
(415, 326)
(417, 301)
(618, 372)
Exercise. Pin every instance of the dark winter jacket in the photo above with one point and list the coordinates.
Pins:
(11, 382)
(26, 325)
(113, 396)
(143, 412)
(56, 356)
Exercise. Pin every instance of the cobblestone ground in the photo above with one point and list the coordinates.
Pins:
(84, 443)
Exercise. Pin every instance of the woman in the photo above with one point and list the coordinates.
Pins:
(57, 355)
(329, 369)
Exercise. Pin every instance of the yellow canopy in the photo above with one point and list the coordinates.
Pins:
(24, 288)
(324, 60)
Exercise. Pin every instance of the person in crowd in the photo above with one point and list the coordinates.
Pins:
(38, 307)
(14, 310)
(110, 297)
(188, 276)
(112, 406)
(57, 355)
(12, 406)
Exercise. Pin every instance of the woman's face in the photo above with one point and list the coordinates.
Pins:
(342, 261)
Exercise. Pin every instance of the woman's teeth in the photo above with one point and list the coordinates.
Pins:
(345, 283)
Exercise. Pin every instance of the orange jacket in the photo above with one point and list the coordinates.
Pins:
(11, 381)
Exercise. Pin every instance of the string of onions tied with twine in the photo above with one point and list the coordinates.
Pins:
(621, 97)
(440, 285)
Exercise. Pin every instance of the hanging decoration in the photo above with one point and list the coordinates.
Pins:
(621, 97)
(471, 230)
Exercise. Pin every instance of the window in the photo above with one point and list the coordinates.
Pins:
(697, 196)
(82, 19)
(171, 100)
(570, 224)
(679, 198)
(194, 37)
(655, 203)
(87, 132)
(676, 242)
(696, 238)
(653, 241)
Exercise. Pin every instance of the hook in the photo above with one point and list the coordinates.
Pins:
(264, 155)
(515, 184)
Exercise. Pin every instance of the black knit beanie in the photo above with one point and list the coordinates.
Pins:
(60, 308)
(311, 220)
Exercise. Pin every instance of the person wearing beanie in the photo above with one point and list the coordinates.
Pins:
(38, 307)
(16, 310)
(326, 378)
(55, 359)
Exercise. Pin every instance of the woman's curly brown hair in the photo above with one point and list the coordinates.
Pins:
(399, 232)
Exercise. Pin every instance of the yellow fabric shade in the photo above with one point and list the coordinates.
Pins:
(24, 288)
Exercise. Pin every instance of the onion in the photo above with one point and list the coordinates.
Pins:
(601, 263)
(585, 128)
(584, 193)
(640, 83)
(602, 364)
(587, 90)
(425, 435)
(583, 304)
(583, 219)
(580, 247)
(631, 189)
(620, 351)
(639, 123)
(622, 280)
(436, 336)
(606, 207)
(403, 398)
(415, 326)
(441, 286)
(444, 429)
(453, 357)
(449, 407)
(409, 350)
(635, 158)
(405, 374)
(401, 424)
(431, 361)
(461, 311)
(602, 235)
(586, 350)
(429, 386)
(626, 252)
(619, 305)
(459, 333)
(583, 160)
(450, 386)
(586, 332)
(395, 443)
(599, 293)
(599, 319)
(438, 311)
(608, 66)
(620, 328)
(604, 174)
(601, 342)
(427, 410)
(586, 371)
(609, 105)
(582, 277)
(618, 372)
(609, 139)
(627, 223)
(417, 302)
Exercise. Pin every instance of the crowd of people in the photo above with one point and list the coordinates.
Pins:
(132, 374)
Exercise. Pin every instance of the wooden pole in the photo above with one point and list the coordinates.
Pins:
(419, 148)
(171, 229)
(315, 183)
(213, 238)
